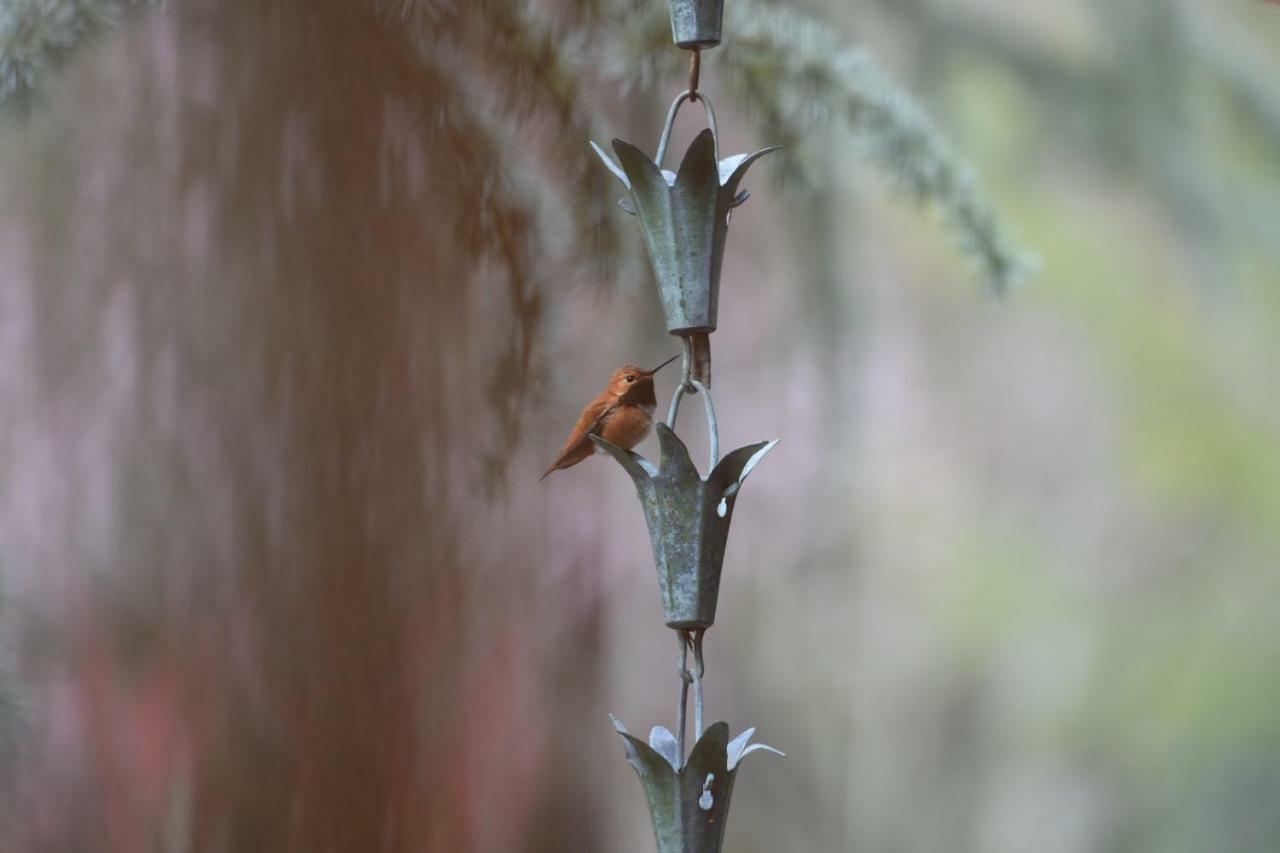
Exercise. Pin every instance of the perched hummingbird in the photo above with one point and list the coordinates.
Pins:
(622, 415)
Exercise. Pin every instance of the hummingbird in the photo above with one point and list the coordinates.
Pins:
(622, 415)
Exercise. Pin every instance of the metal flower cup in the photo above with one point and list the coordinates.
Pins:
(684, 216)
(688, 520)
(689, 801)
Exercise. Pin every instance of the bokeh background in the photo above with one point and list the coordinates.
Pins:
(297, 300)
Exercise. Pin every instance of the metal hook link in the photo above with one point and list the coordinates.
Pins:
(698, 670)
(713, 429)
(686, 678)
(665, 139)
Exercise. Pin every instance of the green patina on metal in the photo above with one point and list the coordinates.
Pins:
(684, 216)
(688, 521)
(689, 801)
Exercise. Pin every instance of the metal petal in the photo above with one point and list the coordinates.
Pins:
(675, 456)
(612, 166)
(640, 469)
(698, 229)
(648, 187)
(706, 785)
(737, 745)
(727, 167)
(663, 789)
(738, 748)
(651, 765)
(756, 746)
(709, 753)
(755, 459)
(735, 467)
(698, 167)
(664, 743)
(740, 164)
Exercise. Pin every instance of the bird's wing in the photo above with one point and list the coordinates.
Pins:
(579, 446)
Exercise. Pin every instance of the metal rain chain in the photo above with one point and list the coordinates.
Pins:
(685, 220)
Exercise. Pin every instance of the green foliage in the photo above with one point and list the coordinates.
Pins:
(813, 68)
(36, 35)
(794, 70)
(1144, 98)
(788, 67)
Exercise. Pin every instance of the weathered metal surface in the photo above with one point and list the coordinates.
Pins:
(696, 23)
(688, 801)
(684, 216)
(693, 386)
(688, 520)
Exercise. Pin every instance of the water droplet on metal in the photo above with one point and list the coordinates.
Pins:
(722, 508)
(705, 802)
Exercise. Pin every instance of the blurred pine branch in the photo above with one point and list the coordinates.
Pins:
(1137, 102)
(36, 35)
(788, 67)
(798, 65)
(792, 70)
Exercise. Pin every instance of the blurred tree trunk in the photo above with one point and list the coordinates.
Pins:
(249, 405)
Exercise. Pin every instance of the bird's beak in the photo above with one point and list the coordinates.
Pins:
(664, 364)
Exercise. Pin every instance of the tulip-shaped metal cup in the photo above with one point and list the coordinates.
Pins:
(689, 802)
(688, 521)
(684, 216)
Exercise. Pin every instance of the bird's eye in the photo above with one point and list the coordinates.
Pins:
(631, 378)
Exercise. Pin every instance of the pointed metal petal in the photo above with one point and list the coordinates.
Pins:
(706, 787)
(664, 743)
(709, 753)
(735, 467)
(698, 168)
(662, 788)
(698, 229)
(728, 165)
(640, 469)
(612, 166)
(647, 185)
(737, 745)
(740, 167)
(651, 766)
(755, 459)
(675, 461)
(756, 746)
